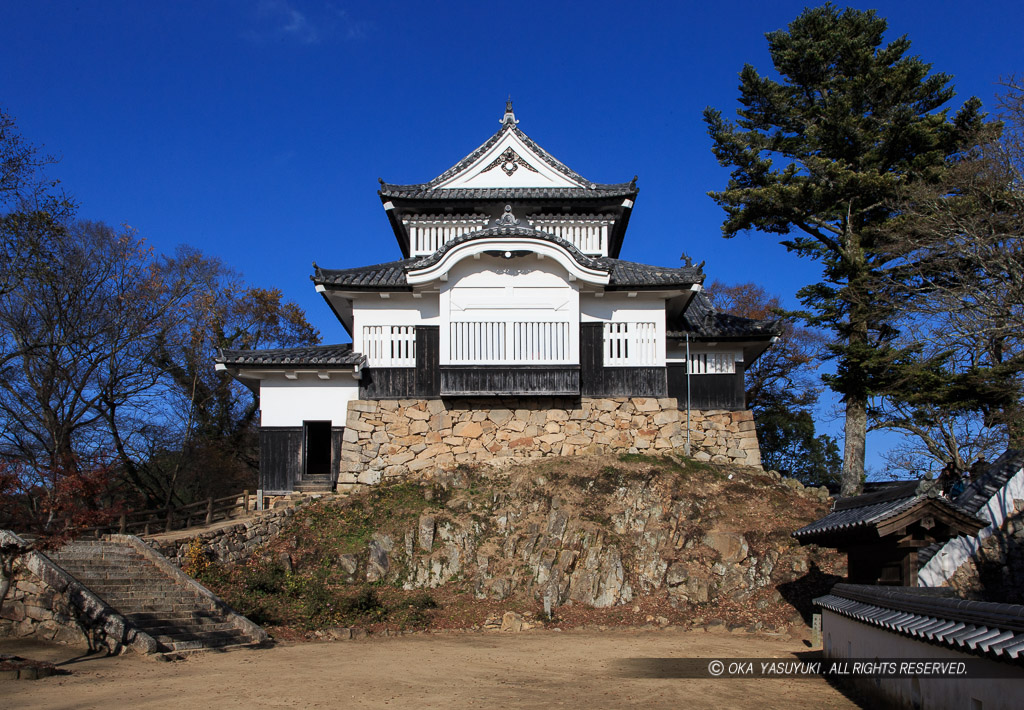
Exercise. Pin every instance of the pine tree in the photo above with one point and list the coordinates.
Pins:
(818, 158)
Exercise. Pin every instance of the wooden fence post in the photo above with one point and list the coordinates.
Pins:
(170, 519)
(245, 502)
(122, 524)
(209, 510)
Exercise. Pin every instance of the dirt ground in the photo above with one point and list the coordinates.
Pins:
(537, 669)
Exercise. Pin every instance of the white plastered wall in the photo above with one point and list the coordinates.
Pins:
(397, 309)
(285, 402)
(619, 307)
(955, 552)
(496, 289)
(845, 638)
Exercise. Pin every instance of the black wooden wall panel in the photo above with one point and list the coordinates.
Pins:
(591, 359)
(500, 379)
(424, 380)
(708, 391)
(336, 438)
(428, 360)
(387, 383)
(280, 458)
(633, 382)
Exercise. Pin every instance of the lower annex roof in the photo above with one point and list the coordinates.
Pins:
(308, 356)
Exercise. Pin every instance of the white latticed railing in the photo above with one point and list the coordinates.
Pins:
(427, 235)
(590, 236)
(634, 344)
(390, 345)
(488, 342)
(712, 363)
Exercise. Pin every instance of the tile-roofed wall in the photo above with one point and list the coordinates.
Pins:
(932, 616)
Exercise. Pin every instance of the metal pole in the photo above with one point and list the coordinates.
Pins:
(687, 450)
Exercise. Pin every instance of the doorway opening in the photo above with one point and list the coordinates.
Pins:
(316, 448)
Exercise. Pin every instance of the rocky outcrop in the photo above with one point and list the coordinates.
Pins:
(591, 531)
(398, 438)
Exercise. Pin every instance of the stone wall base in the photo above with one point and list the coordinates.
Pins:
(396, 438)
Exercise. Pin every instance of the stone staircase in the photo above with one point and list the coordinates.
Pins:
(154, 596)
(316, 483)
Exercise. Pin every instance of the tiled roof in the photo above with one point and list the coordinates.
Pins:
(978, 492)
(587, 189)
(857, 514)
(420, 192)
(862, 511)
(931, 616)
(379, 277)
(624, 274)
(316, 355)
(702, 320)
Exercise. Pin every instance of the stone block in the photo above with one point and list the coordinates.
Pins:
(645, 404)
(665, 417)
(499, 416)
(468, 430)
(369, 477)
(419, 464)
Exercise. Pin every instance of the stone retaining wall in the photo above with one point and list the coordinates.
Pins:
(392, 438)
(231, 544)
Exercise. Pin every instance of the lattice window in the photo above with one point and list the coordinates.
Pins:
(512, 342)
(629, 343)
(390, 345)
(720, 363)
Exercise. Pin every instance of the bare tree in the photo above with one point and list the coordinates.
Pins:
(958, 278)
(202, 438)
(80, 324)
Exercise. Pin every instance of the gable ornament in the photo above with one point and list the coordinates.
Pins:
(509, 161)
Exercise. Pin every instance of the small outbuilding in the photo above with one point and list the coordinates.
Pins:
(882, 532)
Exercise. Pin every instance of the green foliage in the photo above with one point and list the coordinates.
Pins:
(790, 446)
(819, 159)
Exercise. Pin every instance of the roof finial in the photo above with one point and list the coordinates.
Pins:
(509, 116)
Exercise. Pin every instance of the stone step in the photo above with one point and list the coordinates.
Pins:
(180, 642)
(180, 630)
(315, 487)
(167, 602)
(100, 574)
(173, 613)
(176, 619)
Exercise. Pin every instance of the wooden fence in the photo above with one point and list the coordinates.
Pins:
(161, 520)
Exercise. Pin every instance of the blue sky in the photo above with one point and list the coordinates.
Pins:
(256, 130)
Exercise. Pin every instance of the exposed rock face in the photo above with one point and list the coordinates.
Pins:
(583, 531)
(396, 438)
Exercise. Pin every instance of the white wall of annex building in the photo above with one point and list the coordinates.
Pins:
(285, 402)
